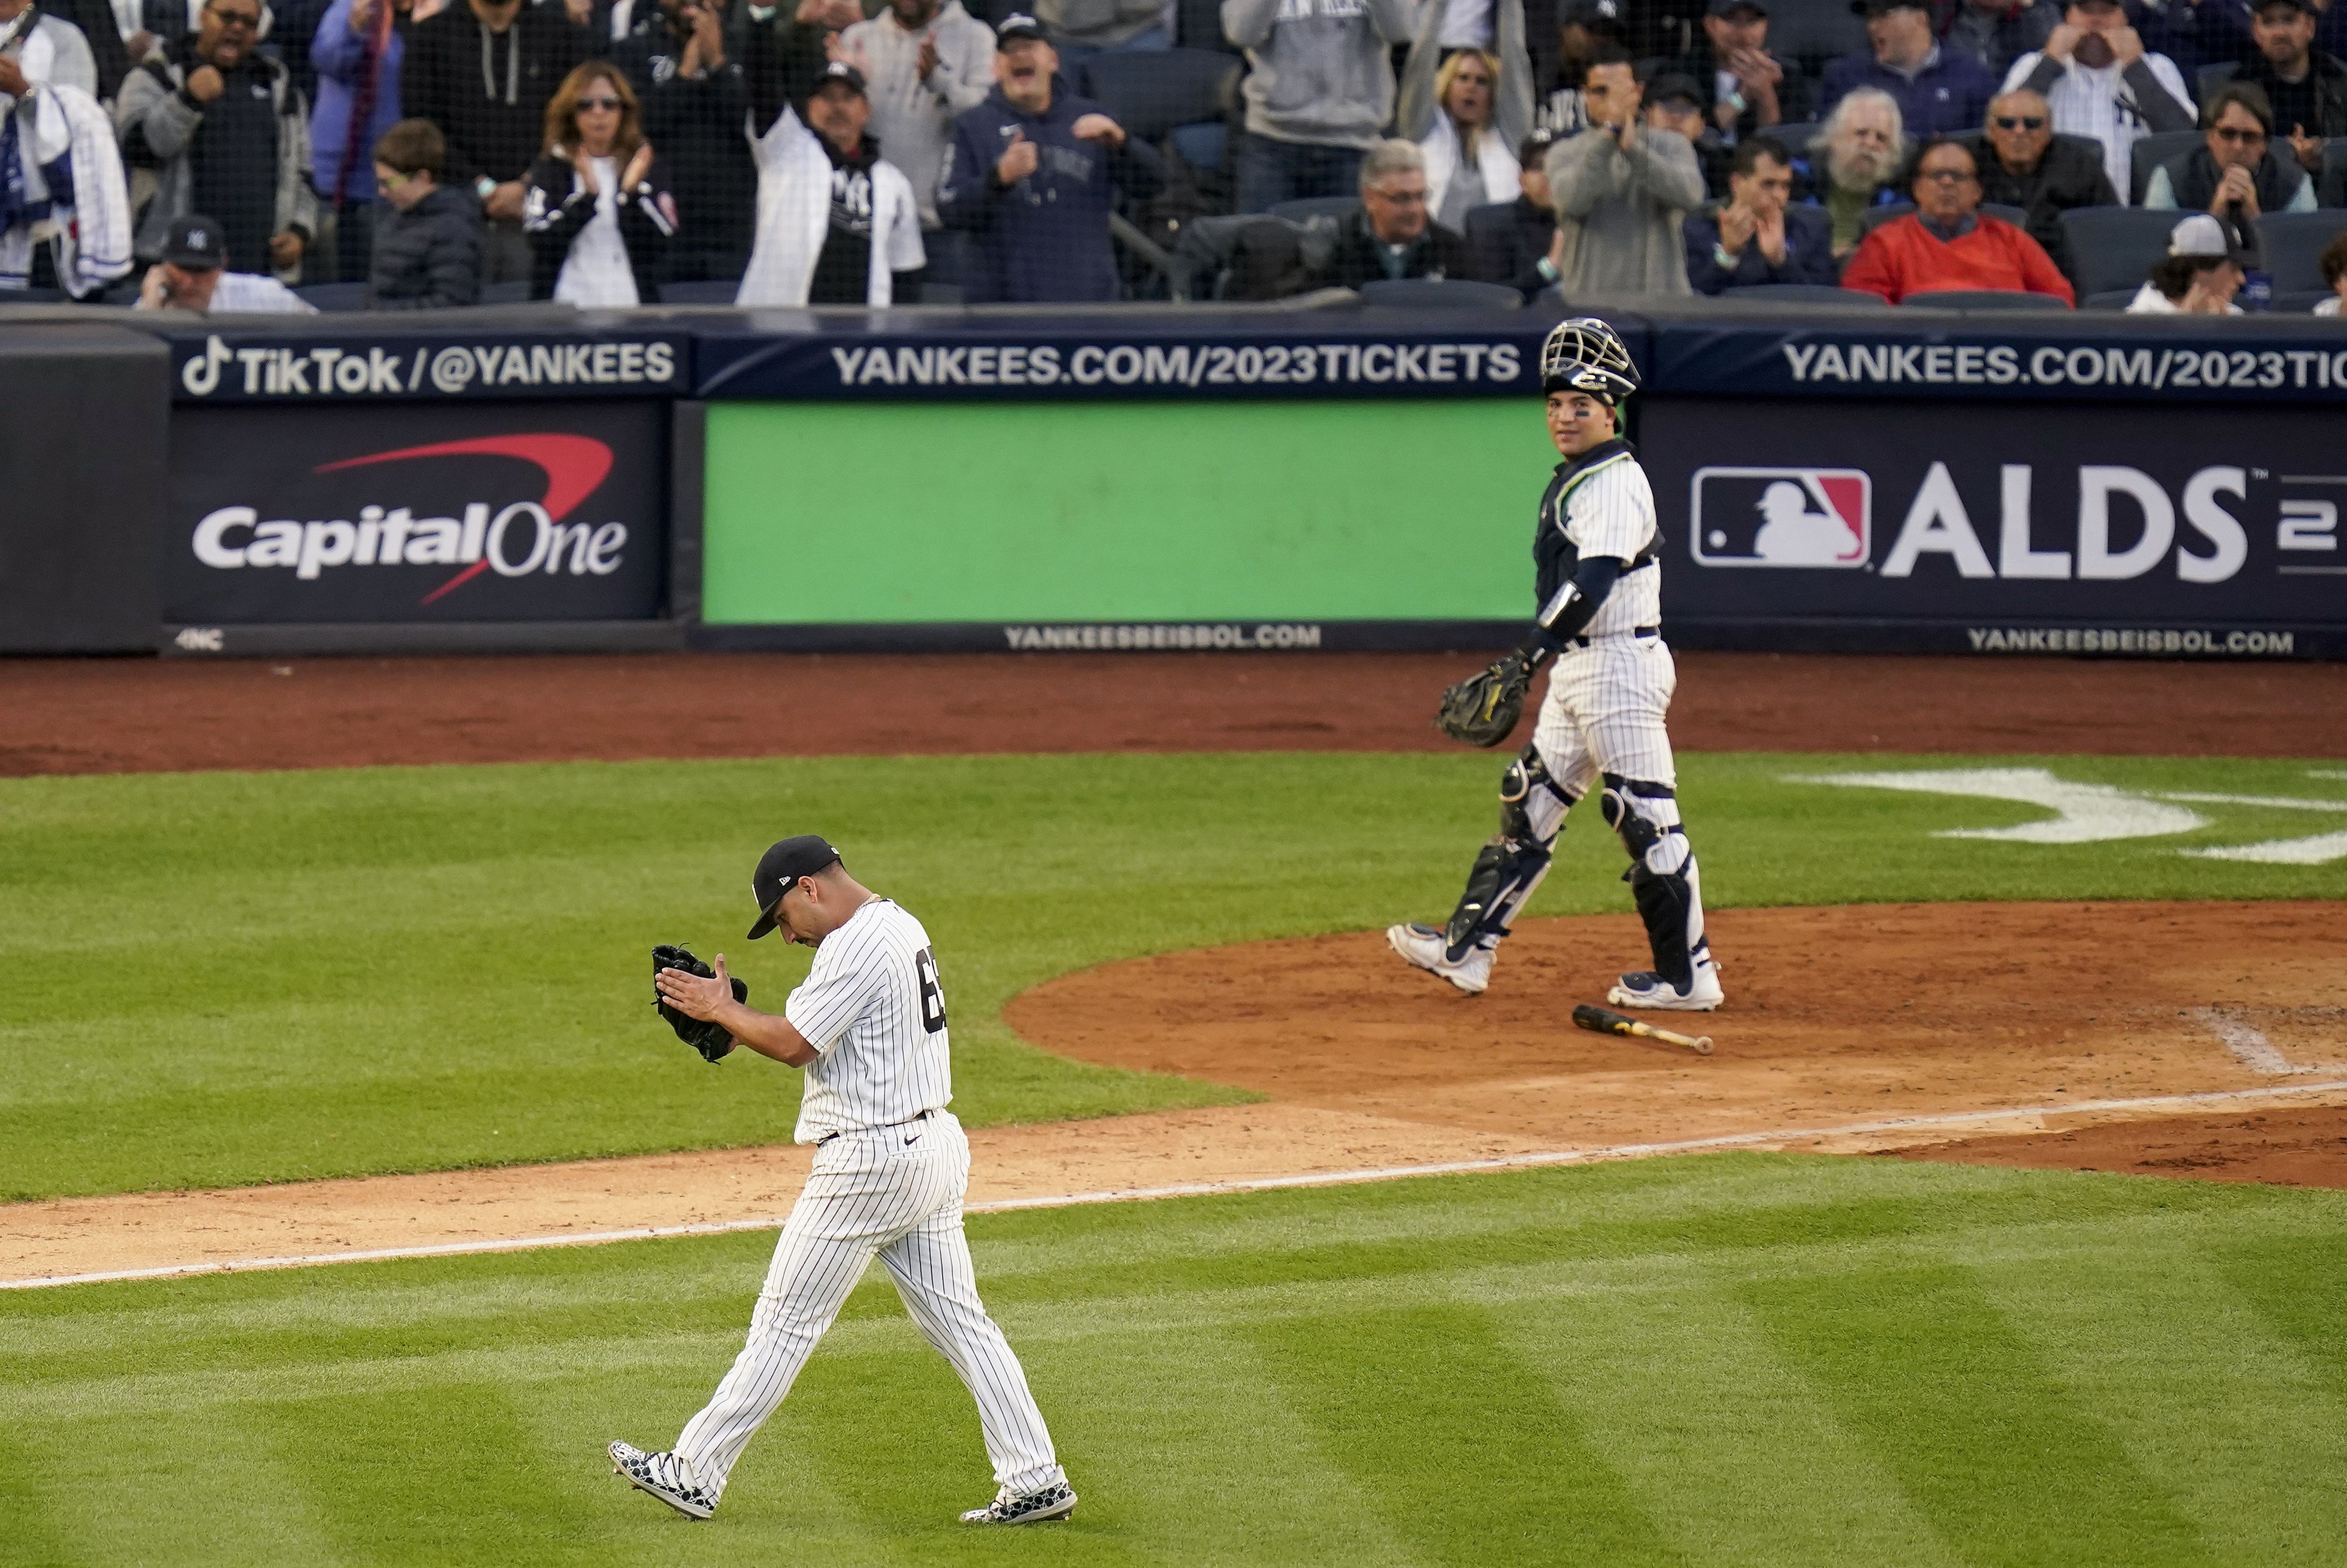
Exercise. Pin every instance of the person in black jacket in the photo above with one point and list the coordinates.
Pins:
(1391, 237)
(598, 212)
(1508, 241)
(2021, 164)
(684, 59)
(1763, 90)
(427, 247)
(2306, 85)
(483, 70)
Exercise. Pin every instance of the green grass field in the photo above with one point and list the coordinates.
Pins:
(222, 978)
(1729, 1359)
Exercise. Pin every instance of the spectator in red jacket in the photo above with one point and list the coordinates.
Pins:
(1950, 243)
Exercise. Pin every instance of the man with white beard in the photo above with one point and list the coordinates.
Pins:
(1864, 144)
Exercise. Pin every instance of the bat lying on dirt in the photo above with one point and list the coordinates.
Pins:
(1605, 1020)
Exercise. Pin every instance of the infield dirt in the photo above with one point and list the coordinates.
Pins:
(1838, 1016)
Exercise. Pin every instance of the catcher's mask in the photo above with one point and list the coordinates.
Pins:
(1584, 354)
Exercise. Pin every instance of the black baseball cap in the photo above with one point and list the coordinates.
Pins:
(1018, 24)
(779, 870)
(1730, 8)
(841, 71)
(1595, 14)
(1880, 7)
(2304, 7)
(196, 243)
(1663, 88)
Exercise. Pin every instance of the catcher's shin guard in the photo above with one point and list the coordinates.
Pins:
(1661, 876)
(1512, 864)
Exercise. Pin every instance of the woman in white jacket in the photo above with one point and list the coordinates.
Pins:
(1468, 163)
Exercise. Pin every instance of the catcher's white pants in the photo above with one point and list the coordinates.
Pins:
(896, 1192)
(1603, 713)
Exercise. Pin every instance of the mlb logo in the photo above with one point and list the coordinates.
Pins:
(1783, 517)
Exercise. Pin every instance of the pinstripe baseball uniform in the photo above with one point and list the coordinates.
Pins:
(891, 1168)
(1609, 687)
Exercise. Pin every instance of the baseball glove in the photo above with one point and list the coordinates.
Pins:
(1482, 710)
(704, 1036)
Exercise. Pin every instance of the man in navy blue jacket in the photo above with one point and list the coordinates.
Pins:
(1754, 236)
(1939, 91)
(1031, 177)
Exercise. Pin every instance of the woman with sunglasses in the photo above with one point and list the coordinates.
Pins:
(597, 209)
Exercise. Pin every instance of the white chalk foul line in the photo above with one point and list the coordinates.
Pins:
(1209, 1189)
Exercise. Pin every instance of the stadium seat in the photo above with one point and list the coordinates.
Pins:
(2299, 301)
(1198, 25)
(513, 293)
(333, 298)
(2293, 241)
(2149, 152)
(1149, 92)
(1985, 300)
(2211, 77)
(29, 296)
(1764, 294)
(1306, 208)
(1812, 31)
(1441, 293)
(1203, 146)
(2331, 185)
(709, 291)
(2114, 247)
(2109, 300)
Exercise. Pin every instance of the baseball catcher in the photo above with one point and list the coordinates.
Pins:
(1598, 632)
(709, 1038)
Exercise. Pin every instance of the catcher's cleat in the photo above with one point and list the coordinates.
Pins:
(1645, 988)
(1423, 946)
(659, 1474)
(1029, 1508)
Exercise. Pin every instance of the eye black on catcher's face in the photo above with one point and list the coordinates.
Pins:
(1576, 422)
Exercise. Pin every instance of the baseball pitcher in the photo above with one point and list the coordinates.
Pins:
(1598, 632)
(891, 1167)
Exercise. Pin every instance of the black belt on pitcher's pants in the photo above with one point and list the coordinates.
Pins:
(908, 1121)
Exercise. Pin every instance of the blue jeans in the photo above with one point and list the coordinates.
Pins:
(1270, 171)
(1072, 54)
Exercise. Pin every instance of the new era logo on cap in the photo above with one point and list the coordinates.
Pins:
(1783, 517)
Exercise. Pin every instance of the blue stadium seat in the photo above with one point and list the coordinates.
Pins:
(513, 293)
(1985, 300)
(1795, 136)
(2109, 300)
(709, 291)
(1205, 146)
(333, 298)
(2300, 302)
(1764, 294)
(1441, 293)
(1152, 91)
(2293, 242)
(2211, 77)
(2114, 247)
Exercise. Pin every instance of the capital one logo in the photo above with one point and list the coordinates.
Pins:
(519, 538)
(1783, 517)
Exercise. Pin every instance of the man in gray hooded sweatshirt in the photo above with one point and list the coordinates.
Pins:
(1319, 91)
(1622, 190)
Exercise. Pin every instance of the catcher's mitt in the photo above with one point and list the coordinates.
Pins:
(1482, 710)
(712, 1041)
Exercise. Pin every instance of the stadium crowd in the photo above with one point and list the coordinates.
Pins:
(406, 154)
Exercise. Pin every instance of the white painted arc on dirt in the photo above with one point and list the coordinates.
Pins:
(2084, 812)
(2207, 1097)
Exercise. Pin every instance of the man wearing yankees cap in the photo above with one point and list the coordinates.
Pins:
(891, 1167)
(837, 223)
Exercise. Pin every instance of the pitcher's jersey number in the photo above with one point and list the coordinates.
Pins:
(933, 998)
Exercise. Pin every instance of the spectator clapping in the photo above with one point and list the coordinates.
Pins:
(1756, 237)
(598, 212)
(1621, 190)
(1939, 91)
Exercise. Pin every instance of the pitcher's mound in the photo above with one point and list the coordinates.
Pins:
(1836, 1017)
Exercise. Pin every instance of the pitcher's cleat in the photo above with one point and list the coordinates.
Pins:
(1029, 1508)
(657, 1474)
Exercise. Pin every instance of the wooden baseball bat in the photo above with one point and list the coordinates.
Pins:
(1605, 1020)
